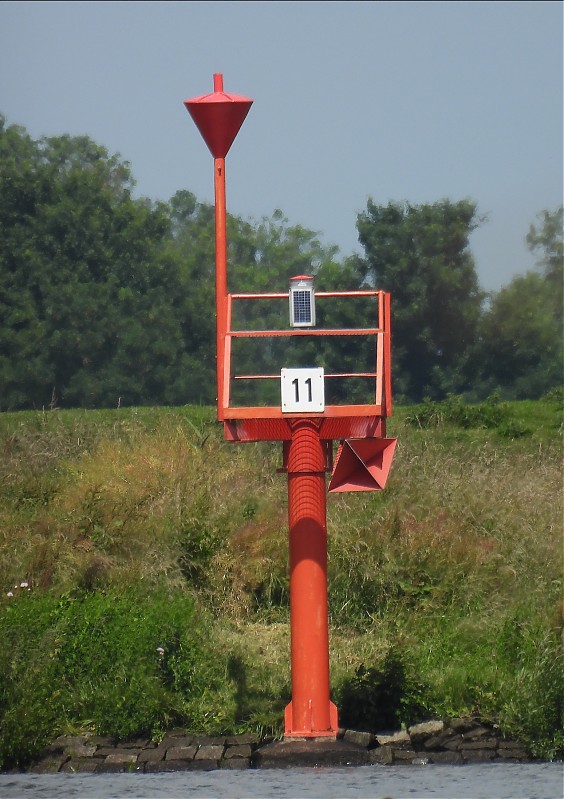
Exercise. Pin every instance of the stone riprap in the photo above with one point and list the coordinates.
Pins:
(456, 741)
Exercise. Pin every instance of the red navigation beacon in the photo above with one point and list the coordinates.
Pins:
(305, 424)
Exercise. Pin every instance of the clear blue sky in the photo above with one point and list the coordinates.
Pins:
(416, 101)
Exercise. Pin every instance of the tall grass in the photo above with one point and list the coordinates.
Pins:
(454, 573)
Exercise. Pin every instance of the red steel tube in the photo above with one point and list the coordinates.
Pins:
(310, 713)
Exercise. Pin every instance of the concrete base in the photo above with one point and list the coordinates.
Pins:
(311, 752)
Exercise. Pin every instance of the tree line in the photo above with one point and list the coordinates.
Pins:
(106, 299)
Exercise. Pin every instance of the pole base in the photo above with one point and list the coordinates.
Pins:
(309, 730)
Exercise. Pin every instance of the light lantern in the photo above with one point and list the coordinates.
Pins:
(302, 301)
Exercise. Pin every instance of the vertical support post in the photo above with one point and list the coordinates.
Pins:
(220, 278)
(310, 714)
(387, 354)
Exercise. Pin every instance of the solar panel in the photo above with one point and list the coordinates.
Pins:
(302, 307)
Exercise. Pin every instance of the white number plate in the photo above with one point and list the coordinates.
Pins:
(303, 390)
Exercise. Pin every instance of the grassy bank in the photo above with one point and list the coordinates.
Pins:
(153, 558)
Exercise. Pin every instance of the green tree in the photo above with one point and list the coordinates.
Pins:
(91, 300)
(420, 253)
(24, 365)
(521, 348)
(547, 240)
(192, 244)
(521, 340)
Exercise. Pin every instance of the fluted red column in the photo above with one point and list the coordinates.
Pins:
(310, 713)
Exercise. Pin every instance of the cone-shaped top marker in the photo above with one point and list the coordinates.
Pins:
(218, 116)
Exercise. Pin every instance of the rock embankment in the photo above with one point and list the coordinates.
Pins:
(457, 741)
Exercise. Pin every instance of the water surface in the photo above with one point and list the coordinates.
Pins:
(471, 781)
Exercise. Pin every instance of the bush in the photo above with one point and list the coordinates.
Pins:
(120, 665)
(489, 415)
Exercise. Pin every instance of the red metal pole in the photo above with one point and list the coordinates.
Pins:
(310, 714)
(220, 278)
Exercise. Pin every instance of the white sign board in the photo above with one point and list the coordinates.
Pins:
(303, 390)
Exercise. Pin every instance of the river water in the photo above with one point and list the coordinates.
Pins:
(471, 781)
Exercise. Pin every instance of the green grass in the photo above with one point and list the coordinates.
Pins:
(453, 574)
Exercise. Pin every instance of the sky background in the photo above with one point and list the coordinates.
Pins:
(416, 101)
